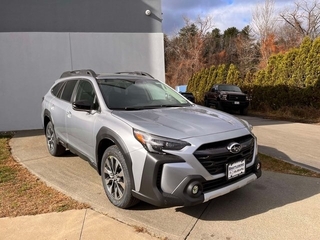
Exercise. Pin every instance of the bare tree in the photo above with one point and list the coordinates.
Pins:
(264, 19)
(304, 18)
(186, 52)
(264, 26)
(287, 37)
(247, 52)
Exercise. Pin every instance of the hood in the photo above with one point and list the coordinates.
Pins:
(180, 123)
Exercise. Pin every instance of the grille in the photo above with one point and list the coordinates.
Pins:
(236, 98)
(214, 156)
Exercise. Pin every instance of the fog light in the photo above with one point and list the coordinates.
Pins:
(258, 166)
(195, 189)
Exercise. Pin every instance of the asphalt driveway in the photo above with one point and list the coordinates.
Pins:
(276, 206)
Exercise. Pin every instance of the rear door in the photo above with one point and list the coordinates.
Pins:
(58, 109)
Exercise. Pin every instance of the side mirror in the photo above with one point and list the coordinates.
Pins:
(81, 105)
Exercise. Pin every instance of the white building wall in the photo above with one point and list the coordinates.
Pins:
(31, 61)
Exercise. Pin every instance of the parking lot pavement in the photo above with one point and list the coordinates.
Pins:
(276, 206)
(292, 142)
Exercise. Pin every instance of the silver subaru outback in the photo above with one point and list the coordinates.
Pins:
(146, 140)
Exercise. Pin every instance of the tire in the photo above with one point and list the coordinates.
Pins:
(244, 111)
(219, 107)
(206, 103)
(116, 178)
(54, 148)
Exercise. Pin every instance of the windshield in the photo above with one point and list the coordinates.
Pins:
(229, 88)
(124, 94)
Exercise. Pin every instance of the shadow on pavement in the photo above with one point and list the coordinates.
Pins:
(275, 153)
(271, 191)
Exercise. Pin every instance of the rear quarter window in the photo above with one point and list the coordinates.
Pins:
(56, 89)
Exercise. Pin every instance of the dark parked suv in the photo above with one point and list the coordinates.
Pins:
(146, 140)
(227, 97)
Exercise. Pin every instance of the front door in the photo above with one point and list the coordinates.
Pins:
(80, 123)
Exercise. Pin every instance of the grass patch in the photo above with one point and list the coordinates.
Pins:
(6, 173)
(22, 193)
(275, 165)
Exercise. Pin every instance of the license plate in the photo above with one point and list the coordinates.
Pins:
(236, 169)
(236, 102)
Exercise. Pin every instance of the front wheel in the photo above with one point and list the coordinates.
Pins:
(54, 148)
(116, 178)
(244, 111)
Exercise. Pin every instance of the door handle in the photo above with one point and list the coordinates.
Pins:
(68, 114)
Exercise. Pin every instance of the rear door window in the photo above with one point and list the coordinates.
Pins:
(68, 90)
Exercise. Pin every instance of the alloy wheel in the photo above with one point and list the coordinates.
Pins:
(114, 177)
(50, 137)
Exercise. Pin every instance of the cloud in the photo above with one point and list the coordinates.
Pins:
(224, 13)
(234, 15)
(174, 12)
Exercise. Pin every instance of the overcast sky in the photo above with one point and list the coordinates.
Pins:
(224, 13)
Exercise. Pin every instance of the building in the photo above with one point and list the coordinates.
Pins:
(41, 39)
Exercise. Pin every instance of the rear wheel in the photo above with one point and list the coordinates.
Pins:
(116, 178)
(54, 148)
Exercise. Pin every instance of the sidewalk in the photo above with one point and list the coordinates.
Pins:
(83, 224)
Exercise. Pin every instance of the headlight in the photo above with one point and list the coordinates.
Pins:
(156, 144)
(223, 97)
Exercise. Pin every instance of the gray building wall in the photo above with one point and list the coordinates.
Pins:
(80, 16)
(32, 57)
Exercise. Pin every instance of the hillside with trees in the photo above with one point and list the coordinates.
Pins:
(276, 58)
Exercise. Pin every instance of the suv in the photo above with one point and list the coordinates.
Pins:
(227, 97)
(146, 140)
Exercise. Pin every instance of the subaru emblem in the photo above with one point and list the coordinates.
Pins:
(234, 147)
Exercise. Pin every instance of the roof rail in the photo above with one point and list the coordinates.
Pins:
(137, 73)
(81, 72)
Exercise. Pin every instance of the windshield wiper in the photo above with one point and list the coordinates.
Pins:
(134, 108)
(171, 105)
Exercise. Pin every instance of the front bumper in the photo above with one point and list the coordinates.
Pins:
(161, 172)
